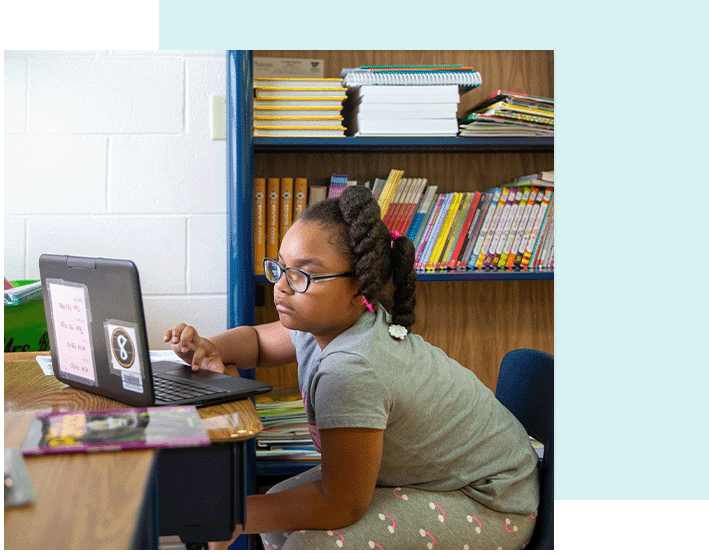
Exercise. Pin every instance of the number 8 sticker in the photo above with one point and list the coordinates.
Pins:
(123, 354)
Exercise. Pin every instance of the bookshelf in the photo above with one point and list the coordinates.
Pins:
(475, 316)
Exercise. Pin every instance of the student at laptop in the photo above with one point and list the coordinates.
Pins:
(416, 451)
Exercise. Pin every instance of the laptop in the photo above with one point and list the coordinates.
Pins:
(98, 340)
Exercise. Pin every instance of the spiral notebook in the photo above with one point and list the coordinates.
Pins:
(466, 78)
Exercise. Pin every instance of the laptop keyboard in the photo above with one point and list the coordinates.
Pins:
(169, 389)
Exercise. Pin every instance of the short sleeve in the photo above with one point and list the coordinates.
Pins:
(347, 393)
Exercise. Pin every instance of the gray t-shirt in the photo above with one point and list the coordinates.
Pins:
(443, 428)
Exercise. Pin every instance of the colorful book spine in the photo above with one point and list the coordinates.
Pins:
(430, 222)
(489, 212)
(509, 264)
(543, 238)
(475, 226)
(499, 208)
(536, 227)
(389, 189)
(273, 193)
(456, 226)
(436, 231)
(490, 256)
(513, 204)
(396, 202)
(259, 223)
(300, 196)
(544, 258)
(443, 234)
(407, 212)
(528, 229)
(463, 236)
(338, 183)
(514, 228)
(286, 209)
(412, 231)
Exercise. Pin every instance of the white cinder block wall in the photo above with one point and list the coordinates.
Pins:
(108, 153)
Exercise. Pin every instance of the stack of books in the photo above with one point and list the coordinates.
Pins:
(405, 100)
(292, 107)
(506, 113)
(285, 433)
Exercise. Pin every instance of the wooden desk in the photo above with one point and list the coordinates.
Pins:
(99, 500)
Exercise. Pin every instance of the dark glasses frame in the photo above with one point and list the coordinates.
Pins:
(310, 278)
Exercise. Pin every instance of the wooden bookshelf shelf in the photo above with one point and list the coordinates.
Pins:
(403, 144)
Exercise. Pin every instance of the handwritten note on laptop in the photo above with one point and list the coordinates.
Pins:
(72, 330)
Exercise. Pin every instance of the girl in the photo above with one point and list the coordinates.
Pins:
(416, 451)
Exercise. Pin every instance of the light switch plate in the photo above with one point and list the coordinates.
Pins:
(217, 117)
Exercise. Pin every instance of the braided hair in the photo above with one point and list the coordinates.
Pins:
(363, 237)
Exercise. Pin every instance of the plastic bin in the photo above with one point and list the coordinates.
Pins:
(25, 325)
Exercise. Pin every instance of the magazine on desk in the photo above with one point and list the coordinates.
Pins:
(112, 430)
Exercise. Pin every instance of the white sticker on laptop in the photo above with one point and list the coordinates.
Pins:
(123, 354)
(71, 321)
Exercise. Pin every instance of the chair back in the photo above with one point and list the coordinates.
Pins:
(526, 387)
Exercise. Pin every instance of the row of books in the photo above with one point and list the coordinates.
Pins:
(507, 227)
(507, 113)
(289, 107)
(405, 100)
(285, 434)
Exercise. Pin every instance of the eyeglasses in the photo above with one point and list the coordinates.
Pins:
(298, 280)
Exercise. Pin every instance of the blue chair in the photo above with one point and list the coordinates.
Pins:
(526, 387)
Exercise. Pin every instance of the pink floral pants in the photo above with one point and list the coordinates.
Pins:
(408, 519)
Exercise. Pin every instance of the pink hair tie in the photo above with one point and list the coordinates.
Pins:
(395, 235)
(368, 304)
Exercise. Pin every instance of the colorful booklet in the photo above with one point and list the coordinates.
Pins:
(111, 430)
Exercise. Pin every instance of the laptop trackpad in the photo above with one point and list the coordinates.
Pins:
(180, 370)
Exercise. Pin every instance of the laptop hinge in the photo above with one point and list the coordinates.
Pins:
(85, 263)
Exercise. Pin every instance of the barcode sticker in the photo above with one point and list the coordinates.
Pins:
(123, 348)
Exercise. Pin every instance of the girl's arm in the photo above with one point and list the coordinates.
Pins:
(263, 345)
(350, 465)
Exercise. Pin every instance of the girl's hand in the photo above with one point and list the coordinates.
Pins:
(198, 352)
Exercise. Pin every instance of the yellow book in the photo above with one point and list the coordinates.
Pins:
(455, 230)
(298, 121)
(273, 192)
(259, 223)
(286, 209)
(300, 92)
(299, 131)
(389, 189)
(300, 196)
(290, 83)
(445, 231)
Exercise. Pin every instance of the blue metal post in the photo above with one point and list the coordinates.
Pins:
(240, 178)
(240, 219)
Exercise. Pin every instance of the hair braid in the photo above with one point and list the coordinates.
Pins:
(367, 241)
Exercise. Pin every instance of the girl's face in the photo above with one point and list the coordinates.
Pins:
(326, 308)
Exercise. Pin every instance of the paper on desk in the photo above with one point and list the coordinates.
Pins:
(45, 362)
